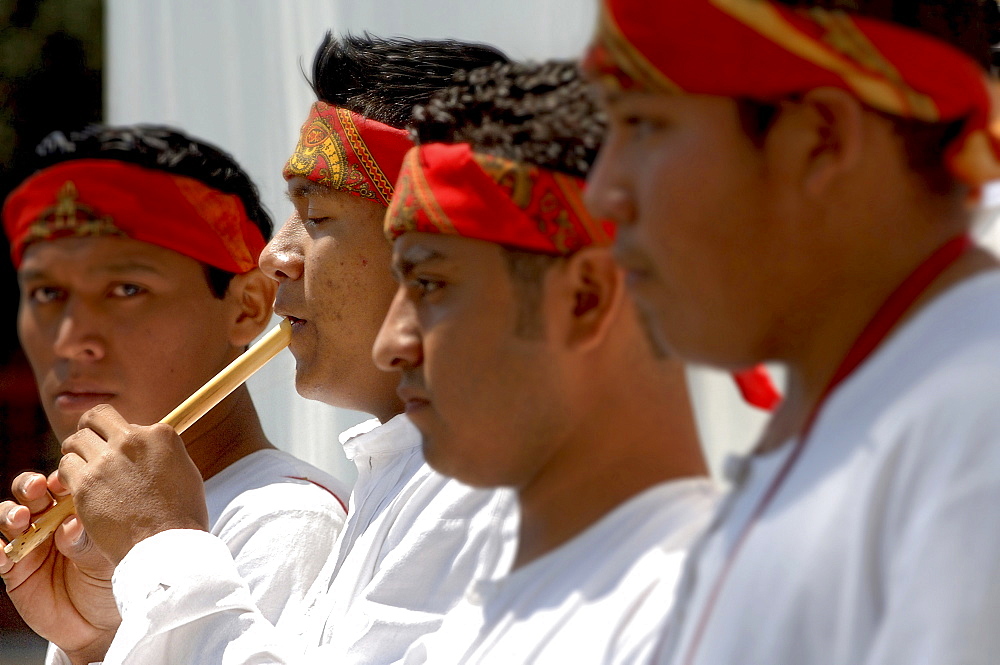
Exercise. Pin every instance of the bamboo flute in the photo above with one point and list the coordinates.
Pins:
(185, 415)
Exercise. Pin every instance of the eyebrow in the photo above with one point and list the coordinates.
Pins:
(301, 190)
(121, 268)
(413, 257)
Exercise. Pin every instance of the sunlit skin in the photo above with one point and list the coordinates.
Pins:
(133, 327)
(330, 261)
(574, 417)
(329, 268)
(100, 316)
(742, 253)
(457, 292)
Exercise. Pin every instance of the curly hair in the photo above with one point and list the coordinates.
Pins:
(538, 113)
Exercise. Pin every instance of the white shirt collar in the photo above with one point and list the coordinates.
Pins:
(371, 437)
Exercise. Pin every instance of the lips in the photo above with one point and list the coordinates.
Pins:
(413, 399)
(82, 400)
(284, 311)
(635, 268)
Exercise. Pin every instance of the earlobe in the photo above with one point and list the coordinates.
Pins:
(598, 289)
(836, 121)
(252, 294)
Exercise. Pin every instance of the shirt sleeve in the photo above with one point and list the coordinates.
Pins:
(182, 600)
(281, 538)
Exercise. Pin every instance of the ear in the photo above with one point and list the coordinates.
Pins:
(597, 288)
(252, 295)
(826, 138)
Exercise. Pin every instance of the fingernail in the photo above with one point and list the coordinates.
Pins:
(73, 529)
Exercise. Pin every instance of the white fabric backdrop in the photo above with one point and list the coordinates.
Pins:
(230, 71)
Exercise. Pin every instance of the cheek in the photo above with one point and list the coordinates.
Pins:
(36, 341)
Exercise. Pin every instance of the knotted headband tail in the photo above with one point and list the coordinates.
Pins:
(757, 388)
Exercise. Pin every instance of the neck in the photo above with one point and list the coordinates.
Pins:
(638, 432)
(228, 433)
(811, 371)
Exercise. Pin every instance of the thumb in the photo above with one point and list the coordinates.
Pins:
(73, 542)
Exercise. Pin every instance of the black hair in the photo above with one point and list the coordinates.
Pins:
(972, 26)
(383, 79)
(536, 113)
(165, 149)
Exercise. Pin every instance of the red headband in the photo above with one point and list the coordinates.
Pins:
(346, 151)
(450, 189)
(101, 197)
(761, 50)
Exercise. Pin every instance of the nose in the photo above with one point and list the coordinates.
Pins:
(283, 257)
(398, 344)
(78, 336)
(608, 194)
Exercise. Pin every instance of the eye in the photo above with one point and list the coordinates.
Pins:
(425, 287)
(126, 290)
(642, 125)
(41, 295)
(315, 221)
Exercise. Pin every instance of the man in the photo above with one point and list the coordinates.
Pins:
(136, 251)
(811, 205)
(524, 364)
(413, 539)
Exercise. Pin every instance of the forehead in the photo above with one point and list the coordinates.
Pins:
(95, 255)
(333, 201)
(417, 247)
(614, 97)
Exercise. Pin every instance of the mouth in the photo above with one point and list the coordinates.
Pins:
(634, 270)
(413, 401)
(81, 400)
(294, 320)
(635, 277)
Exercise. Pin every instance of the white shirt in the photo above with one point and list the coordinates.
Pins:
(279, 518)
(882, 546)
(602, 597)
(413, 543)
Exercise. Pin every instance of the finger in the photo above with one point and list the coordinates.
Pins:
(73, 542)
(30, 489)
(85, 442)
(14, 519)
(56, 488)
(5, 565)
(103, 419)
(71, 468)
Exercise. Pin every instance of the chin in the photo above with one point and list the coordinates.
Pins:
(308, 387)
(470, 472)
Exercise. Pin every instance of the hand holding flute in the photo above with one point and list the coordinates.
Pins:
(185, 415)
(131, 482)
